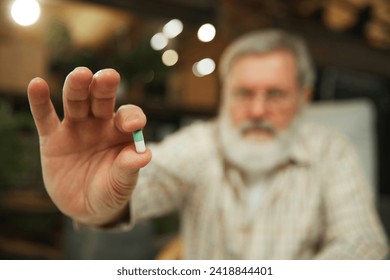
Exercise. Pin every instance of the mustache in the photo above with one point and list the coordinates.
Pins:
(257, 124)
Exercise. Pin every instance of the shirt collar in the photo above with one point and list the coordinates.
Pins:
(299, 151)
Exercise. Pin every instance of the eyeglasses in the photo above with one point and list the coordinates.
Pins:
(273, 98)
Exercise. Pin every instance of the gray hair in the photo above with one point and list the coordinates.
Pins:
(258, 42)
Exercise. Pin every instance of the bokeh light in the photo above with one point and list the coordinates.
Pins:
(173, 28)
(170, 57)
(158, 41)
(203, 67)
(206, 32)
(25, 12)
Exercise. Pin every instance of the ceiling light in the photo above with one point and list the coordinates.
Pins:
(25, 12)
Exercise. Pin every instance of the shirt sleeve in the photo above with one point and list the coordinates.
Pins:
(352, 226)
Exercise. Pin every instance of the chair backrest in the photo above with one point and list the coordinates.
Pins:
(356, 118)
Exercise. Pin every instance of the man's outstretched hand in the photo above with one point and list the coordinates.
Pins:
(89, 162)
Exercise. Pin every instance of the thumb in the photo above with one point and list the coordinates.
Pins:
(126, 166)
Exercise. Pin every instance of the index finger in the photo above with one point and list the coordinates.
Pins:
(42, 109)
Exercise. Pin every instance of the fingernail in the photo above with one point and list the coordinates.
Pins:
(97, 74)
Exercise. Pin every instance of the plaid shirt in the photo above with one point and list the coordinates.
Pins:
(317, 205)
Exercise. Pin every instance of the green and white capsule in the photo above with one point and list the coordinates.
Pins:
(139, 141)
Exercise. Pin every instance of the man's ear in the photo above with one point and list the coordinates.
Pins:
(307, 94)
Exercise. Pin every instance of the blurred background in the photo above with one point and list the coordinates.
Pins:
(166, 52)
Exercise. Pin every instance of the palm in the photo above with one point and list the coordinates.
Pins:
(72, 157)
(89, 164)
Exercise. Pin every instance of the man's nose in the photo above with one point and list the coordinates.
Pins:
(258, 107)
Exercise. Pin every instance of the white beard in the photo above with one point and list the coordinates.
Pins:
(255, 156)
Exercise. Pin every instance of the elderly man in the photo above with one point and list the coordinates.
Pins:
(255, 183)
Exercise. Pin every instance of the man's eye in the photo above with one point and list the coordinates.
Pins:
(276, 93)
(243, 93)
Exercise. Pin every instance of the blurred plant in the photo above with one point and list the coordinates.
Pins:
(18, 148)
(137, 63)
(142, 63)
